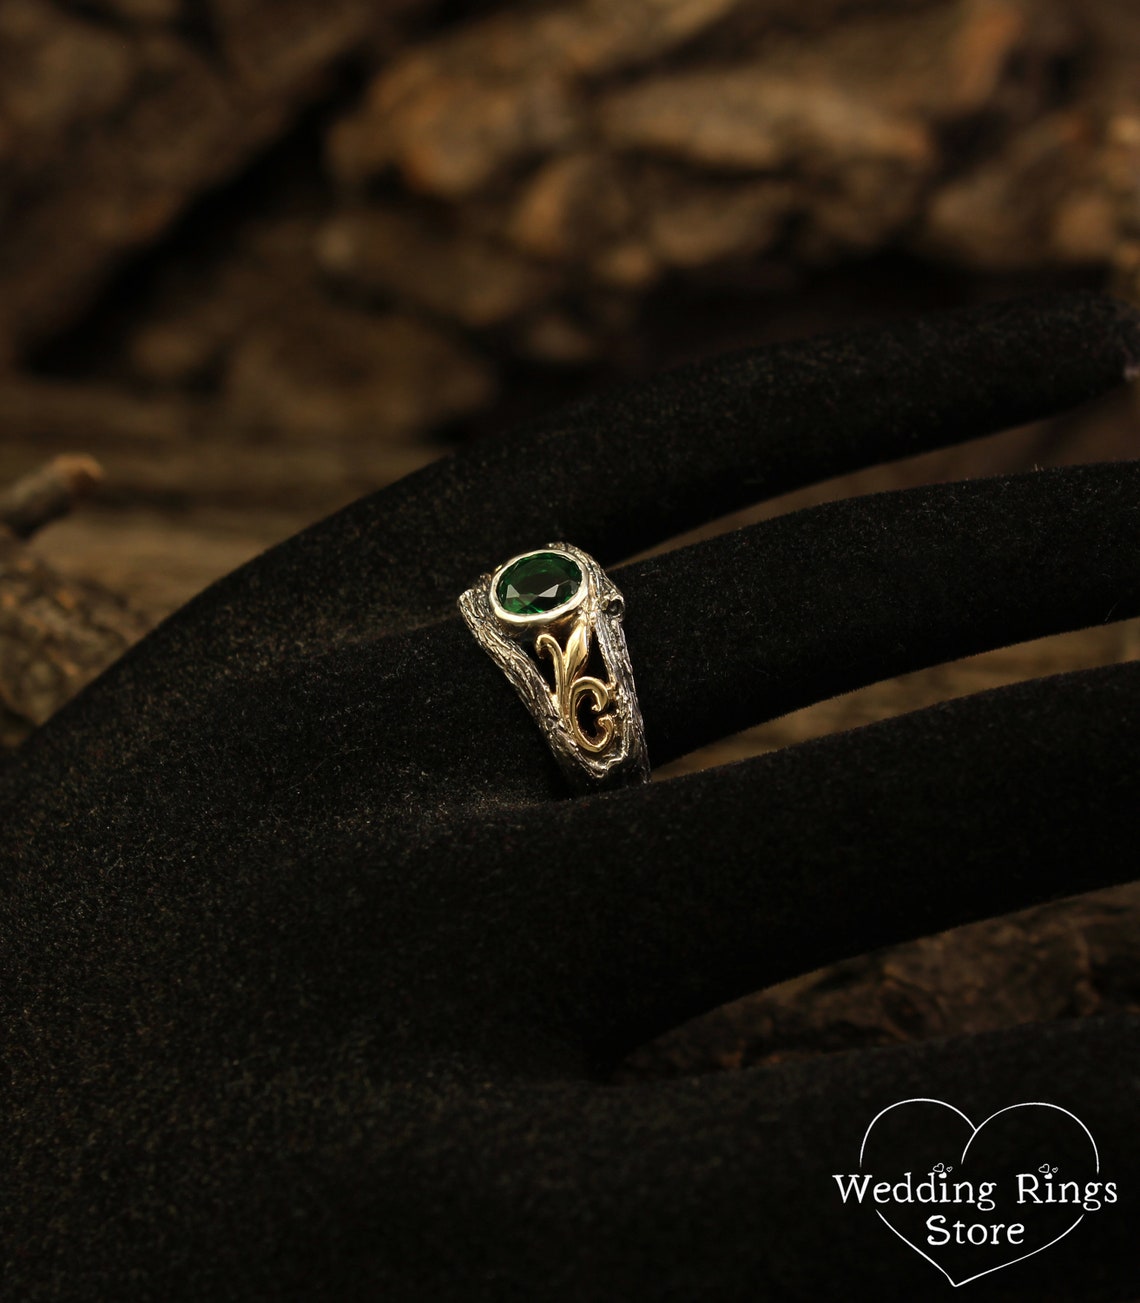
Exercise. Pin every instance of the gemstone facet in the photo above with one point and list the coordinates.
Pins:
(537, 583)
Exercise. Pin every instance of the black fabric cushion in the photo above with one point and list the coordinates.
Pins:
(313, 972)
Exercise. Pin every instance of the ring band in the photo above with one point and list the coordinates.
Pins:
(552, 621)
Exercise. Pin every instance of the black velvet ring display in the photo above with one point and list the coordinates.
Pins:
(313, 973)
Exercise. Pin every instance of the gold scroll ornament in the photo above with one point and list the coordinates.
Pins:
(571, 686)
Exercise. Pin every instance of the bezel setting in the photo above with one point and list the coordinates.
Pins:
(572, 603)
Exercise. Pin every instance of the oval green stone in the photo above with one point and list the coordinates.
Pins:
(538, 583)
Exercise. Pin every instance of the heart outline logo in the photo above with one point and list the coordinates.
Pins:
(974, 1132)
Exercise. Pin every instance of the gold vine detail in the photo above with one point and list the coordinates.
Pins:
(571, 686)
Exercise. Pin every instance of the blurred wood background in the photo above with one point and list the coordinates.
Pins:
(258, 257)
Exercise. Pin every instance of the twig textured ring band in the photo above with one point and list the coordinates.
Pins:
(551, 620)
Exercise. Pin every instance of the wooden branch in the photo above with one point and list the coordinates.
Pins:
(49, 493)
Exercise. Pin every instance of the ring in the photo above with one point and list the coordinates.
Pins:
(552, 621)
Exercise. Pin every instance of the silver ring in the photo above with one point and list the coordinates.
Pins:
(551, 619)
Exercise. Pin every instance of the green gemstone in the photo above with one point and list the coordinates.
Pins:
(538, 583)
